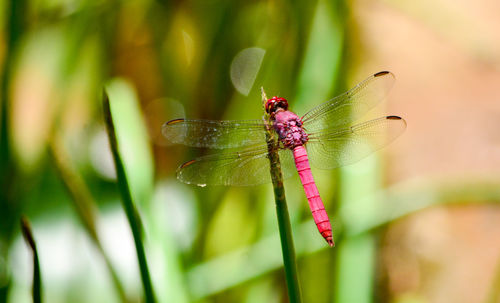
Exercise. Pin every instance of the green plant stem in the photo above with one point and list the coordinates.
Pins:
(30, 240)
(285, 228)
(127, 202)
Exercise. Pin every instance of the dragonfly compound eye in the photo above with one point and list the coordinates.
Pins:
(282, 103)
(271, 105)
(274, 103)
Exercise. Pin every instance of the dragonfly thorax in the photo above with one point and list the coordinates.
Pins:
(289, 128)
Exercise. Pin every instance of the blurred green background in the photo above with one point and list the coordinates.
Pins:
(416, 222)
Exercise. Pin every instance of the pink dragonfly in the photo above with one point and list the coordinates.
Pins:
(326, 136)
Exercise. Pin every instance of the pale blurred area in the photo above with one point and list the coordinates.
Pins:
(446, 58)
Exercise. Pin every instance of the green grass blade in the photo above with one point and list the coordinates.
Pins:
(356, 255)
(127, 202)
(322, 59)
(285, 229)
(30, 240)
(132, 135)
(14, 27)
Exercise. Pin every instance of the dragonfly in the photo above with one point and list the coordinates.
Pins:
(328, 136)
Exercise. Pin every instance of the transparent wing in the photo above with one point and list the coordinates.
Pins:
(331, 149)
(350, 106)
(215, 134)
(248, 167)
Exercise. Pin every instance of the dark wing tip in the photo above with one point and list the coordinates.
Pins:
(187, 164)
(382, 73)
(174, 121)
(397, 118)
(393, 118)
(167, 131)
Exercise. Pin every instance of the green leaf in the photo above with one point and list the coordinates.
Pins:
(133, 139)
(30, 240)
(322, 59)
(121, 93)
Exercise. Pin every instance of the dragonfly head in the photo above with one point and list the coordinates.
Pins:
(273, 104)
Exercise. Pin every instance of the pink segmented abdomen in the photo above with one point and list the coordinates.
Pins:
(317, 208)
